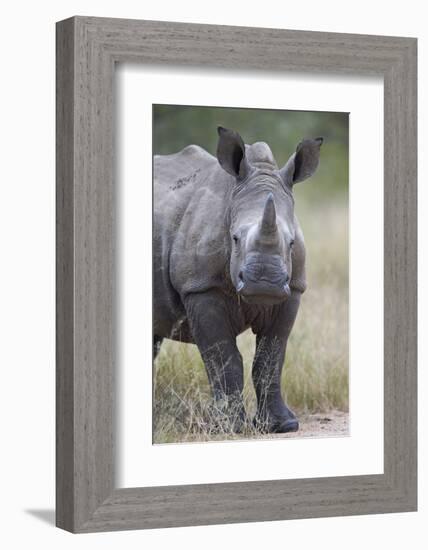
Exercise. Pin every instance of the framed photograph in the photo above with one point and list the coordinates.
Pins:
(236, 274)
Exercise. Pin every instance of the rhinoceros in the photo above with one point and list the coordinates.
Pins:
(229, 255)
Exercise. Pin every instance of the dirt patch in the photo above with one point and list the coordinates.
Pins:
(331, 424)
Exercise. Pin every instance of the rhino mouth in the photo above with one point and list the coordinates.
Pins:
(263, 300)
(264, 296)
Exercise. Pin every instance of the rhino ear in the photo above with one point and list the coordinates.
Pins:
(303, 163)
(231, 153)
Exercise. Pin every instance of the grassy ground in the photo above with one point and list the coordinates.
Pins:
(315, 375)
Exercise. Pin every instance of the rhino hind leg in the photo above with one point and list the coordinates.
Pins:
(157, 342)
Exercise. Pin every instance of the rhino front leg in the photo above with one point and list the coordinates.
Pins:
(213, 334)
(273, 415)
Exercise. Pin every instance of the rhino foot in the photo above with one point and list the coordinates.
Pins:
(276, 425)
(290, 425)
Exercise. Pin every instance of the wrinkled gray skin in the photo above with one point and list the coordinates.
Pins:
(229, 254)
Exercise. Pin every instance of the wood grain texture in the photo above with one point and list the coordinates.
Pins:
(64, 278)
(87, 50)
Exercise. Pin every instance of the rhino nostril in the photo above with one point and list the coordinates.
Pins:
(241, 284)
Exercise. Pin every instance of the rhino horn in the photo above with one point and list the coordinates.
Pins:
(268, 223)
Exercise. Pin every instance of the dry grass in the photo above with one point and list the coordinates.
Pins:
(315, 376)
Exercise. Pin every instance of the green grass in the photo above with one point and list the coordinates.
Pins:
(315, 376)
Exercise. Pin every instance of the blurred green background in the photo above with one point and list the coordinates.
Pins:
(315, 377)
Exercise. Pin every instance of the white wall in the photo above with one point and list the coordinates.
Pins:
(27, 286)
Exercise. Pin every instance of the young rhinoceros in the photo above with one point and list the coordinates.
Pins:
(229, 255)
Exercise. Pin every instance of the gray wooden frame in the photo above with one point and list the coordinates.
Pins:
(87, 50)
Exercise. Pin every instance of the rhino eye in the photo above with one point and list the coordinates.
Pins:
(235, 237)
(291, 243)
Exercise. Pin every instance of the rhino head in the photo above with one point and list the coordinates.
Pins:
(263, 228)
